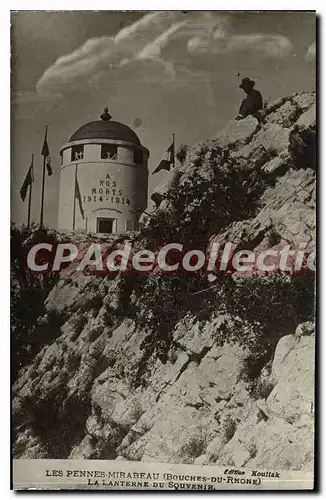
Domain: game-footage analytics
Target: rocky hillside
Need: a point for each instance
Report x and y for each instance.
(171, 369)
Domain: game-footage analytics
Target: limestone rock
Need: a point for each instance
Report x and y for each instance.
(285, 212)
(275, 166)
(293, 367)
(237, 133)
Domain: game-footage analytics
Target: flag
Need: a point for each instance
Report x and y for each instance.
(27, 182)
(78, 197)
(167, 160)
(48, 165)
(46, 153)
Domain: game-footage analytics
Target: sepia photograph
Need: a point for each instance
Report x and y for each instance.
(163, 246)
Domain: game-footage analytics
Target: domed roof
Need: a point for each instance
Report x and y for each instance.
(105, 129)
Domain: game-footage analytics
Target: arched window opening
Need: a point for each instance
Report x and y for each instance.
(109, 152)
(77, 153)
(138, 156)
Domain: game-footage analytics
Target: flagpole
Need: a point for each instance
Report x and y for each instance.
(30, 196)
(74, 212)
(173, 135)
(43, 183)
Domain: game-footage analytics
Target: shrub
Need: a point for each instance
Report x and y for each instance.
(194, 447)
(228, 428)
(182, 153)
(161, 301)
(203, 202)
(27, 296)
(262, 388)
(273, 306)
(302, 147)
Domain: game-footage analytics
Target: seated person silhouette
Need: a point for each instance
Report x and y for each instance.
(253, 103)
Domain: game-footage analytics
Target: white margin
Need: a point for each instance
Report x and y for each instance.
(319, 6)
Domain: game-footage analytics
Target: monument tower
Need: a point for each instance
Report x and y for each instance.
(103, 178)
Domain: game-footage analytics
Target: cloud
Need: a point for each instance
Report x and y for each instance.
(196, 24)
(160, 47)
(144, 71)
(105, 53)
(262, 44)
(153, 50)
(311, 52)
(144, 40)
(77, 66)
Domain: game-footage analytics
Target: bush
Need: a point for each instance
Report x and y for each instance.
(182, 153)
(262, 388)
(193, 448)
(228, 428)
(27, 295)
(206, 199)
(302, 148)
(272, 306)
(160, 302)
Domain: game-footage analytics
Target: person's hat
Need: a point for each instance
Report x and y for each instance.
(246, 82)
